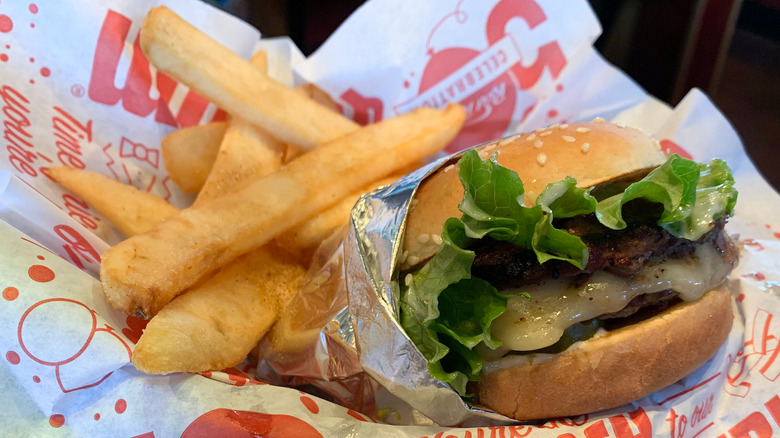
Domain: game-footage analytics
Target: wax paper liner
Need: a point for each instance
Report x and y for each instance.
(77, 97)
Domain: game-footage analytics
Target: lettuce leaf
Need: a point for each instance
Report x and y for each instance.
(446, 312)
(694, 195)
(492, 206)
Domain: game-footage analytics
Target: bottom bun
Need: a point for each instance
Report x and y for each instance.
(607, 371)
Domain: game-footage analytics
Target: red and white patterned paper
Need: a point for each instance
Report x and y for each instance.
(76, 90)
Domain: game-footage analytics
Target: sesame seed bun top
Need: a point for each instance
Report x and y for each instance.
(592, 153)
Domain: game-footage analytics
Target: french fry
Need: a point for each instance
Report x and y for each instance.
(143, 273)
(189, 153)
(185, 53)
(130, 210)
(193, 333)
(216, 325)
(312, 232)
(260, 61)
(245, 152)
(316, 94)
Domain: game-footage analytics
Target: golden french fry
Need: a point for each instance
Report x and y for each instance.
(316, 94)
(246, 152)
(143, 273)
(217, 324)
(260, 61)
(131, 210)
(291, 153)
(189, 153)
(185, 53)
(312, 232)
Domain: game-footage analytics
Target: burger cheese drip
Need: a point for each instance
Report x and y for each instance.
(538, 320)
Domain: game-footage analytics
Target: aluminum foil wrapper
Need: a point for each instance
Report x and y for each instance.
(353, 345)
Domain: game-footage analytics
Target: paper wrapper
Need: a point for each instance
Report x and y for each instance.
(77, 91)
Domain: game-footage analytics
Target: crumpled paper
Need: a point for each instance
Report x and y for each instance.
(82, 95)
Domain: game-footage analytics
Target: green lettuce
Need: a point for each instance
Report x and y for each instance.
(446, 312)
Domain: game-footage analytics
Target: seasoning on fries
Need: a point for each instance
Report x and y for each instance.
(143, 273)
(217, 325)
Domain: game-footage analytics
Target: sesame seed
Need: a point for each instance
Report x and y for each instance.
(492, 146)
(448, 168)
(569, 139)
(413, 260)
(585, 148)
(583, 129)
(555, 126)
(657, 144)
(565, 126)
(541, 158)
(403, 257)
(598, 120)
(530, 137)
(545, 133)
(503, 142)
(538, 144)
(423, 238)
(436, 239)
(621, 125)
(408, 279)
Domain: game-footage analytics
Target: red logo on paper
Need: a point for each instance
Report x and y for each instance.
(227, 422)
(758, 357)
(82, 342)
(365, 110)
(756, 424)
(77, 246)
(126, 162)
(669, 147)
(486, 82)
(135, 328)
(637, 425)
(135, 94)
(22, 154)
(139, 151)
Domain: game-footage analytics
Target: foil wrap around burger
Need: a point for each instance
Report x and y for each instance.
(357, 346)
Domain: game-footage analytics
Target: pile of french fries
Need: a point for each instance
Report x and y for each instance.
(275, 180)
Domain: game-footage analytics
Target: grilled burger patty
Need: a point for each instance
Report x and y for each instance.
(622, 252)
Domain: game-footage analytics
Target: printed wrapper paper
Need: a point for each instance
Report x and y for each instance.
(77, 91)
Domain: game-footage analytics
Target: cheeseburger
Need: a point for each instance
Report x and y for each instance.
(568, 270)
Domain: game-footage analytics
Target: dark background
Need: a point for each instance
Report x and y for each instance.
(728, 48)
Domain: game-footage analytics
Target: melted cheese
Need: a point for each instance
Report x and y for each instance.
(530, 324)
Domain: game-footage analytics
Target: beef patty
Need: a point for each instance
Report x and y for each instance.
(623, 252)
